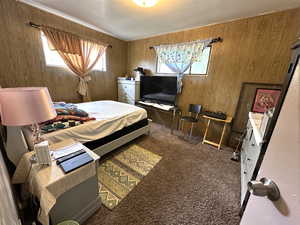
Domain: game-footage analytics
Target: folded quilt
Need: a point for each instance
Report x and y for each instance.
(63, 108)
(65, 118)
(68, 115)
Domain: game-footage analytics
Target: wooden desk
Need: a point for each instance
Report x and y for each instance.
(227, 121)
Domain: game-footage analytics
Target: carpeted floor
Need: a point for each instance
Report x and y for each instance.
(121, 173)
(192, 184)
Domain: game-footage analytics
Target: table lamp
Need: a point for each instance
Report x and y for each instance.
(26, 106)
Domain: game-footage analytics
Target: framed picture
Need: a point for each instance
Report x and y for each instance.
(265, 99)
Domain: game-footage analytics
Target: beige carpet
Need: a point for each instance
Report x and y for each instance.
(119, 174)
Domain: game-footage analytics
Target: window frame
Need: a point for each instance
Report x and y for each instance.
(64, 66)
(190, 68)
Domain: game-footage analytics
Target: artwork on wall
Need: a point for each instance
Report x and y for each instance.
(244, 106)
(265, 99)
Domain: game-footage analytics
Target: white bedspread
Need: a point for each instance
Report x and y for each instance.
(110, 117)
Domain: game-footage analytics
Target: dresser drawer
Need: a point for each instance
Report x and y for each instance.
(249, 155)
(121, 99)
(244, 182)
(127, 87)
(249, 132)
(251, 166)
(253, 149)
(126, 99)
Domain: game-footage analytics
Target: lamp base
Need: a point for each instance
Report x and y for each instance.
(36, 133)
(16, 145)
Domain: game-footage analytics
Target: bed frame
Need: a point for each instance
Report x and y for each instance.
(106, 148)
(17, 144)
(109, 143)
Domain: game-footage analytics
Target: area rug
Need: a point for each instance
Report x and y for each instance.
(119, 174)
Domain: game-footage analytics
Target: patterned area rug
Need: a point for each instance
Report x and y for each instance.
(119, 174)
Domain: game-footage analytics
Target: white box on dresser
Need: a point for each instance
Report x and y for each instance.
(128, 90)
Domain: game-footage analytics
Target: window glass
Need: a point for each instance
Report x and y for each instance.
(52, 58)
(197, 68)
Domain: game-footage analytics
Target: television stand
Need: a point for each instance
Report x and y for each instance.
(163, 108)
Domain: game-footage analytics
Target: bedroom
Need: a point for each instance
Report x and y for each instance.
(191, 182)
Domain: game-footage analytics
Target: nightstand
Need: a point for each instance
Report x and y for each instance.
(62, 196)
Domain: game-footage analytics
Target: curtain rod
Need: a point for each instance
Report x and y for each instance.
(39, 26)
(214, 40)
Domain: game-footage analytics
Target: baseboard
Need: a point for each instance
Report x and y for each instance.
(88, 211)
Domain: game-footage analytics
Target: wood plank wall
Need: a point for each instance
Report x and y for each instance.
(254, 50)
(22, 57)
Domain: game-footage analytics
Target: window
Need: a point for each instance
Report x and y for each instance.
(52, 58)
(197, 68)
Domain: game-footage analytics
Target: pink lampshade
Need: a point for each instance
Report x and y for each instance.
(25, 106)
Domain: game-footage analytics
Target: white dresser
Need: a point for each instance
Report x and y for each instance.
(250, 150)
(128, 91)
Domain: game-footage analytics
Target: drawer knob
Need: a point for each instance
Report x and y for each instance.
(248, 159)
(245, 172)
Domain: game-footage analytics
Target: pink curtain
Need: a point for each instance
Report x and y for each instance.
(79, 55)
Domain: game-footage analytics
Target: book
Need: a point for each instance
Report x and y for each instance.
(76, 162)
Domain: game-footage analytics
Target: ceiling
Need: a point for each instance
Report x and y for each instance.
(125, 20)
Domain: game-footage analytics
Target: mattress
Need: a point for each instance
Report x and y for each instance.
(110, 117)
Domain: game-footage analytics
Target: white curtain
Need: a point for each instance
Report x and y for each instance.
(8, 210)
(179, 57)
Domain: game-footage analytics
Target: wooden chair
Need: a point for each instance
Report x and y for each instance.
(193, 117)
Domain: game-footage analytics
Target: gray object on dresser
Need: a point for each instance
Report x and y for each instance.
(250, 151)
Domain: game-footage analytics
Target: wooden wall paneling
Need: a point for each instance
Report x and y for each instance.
(254, 49)
(22, 57)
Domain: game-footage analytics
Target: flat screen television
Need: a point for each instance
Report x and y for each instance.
(160, 89)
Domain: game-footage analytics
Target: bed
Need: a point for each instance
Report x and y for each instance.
(115, 124)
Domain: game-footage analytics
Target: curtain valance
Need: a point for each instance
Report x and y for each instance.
(63, 35)
(182, 52)
(179, 57)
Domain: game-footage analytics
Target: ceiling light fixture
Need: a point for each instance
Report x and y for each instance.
(146, 3)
